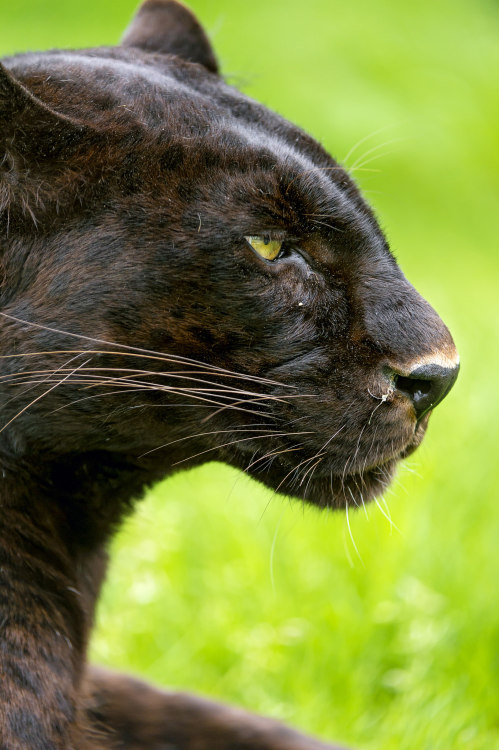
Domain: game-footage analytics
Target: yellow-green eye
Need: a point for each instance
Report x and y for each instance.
(264, 246)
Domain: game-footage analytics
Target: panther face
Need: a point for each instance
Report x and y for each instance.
(189, 277)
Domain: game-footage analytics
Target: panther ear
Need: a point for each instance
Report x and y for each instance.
(35, 143)
(168, 27)
(30, 131)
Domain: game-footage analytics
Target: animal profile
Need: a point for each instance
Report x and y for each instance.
(185, 276)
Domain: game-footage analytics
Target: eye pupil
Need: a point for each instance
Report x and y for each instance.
(266, 239)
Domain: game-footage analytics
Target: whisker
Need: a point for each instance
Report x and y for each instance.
(100, 395)
(361, 497)
(311, 475)
(135, 349)
(363, 140)
(103, 380)
(191, 393)
(387, 515)
(241, 440)
(212, 369)
(351, 495)
(375, 157)
(325, 224)
(27, 390)
(309, 468)
(332, 438)
(294, 470)
(409, 467)
(219, 411)
(377, 147)
(350, 461)
(346, 547)
(271, 453)
(202, 434)
(38, 399)
(351, 536)
(219, 386)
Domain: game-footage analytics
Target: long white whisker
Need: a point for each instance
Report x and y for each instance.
(219, 387)
(39, 397)
(311, 475)
(52, 372)
(294, 470)
(271, 454)
(241, 440)
(360, 162)
(202, 434)
(351, 536)
(388, 516)
(363, 140)
(172, 357)
(190, 393)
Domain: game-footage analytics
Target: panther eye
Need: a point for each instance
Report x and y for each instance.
(264, 246)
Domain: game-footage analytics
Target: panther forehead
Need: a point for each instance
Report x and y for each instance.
(167, 98)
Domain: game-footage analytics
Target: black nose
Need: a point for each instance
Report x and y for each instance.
(426, 386)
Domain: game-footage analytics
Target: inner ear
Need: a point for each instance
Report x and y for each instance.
(168, 27)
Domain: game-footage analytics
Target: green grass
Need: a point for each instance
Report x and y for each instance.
(219, 587)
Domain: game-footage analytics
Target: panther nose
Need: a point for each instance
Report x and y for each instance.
(426, 386)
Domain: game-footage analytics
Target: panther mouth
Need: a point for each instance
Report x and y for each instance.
(330, 490)
(327, 487)
(357, 488)
(335, 491)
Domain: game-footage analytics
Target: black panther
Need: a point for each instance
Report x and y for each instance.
(165, 241)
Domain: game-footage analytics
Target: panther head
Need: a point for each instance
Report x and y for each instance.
(187, 276)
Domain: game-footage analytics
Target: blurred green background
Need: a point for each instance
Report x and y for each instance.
(218, 586)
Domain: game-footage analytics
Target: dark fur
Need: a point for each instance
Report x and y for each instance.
(129, 178)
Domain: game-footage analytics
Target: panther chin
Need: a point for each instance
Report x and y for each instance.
(329, 489)
(334, 491)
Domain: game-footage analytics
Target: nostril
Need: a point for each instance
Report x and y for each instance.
(426, 386)
(415, 388)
